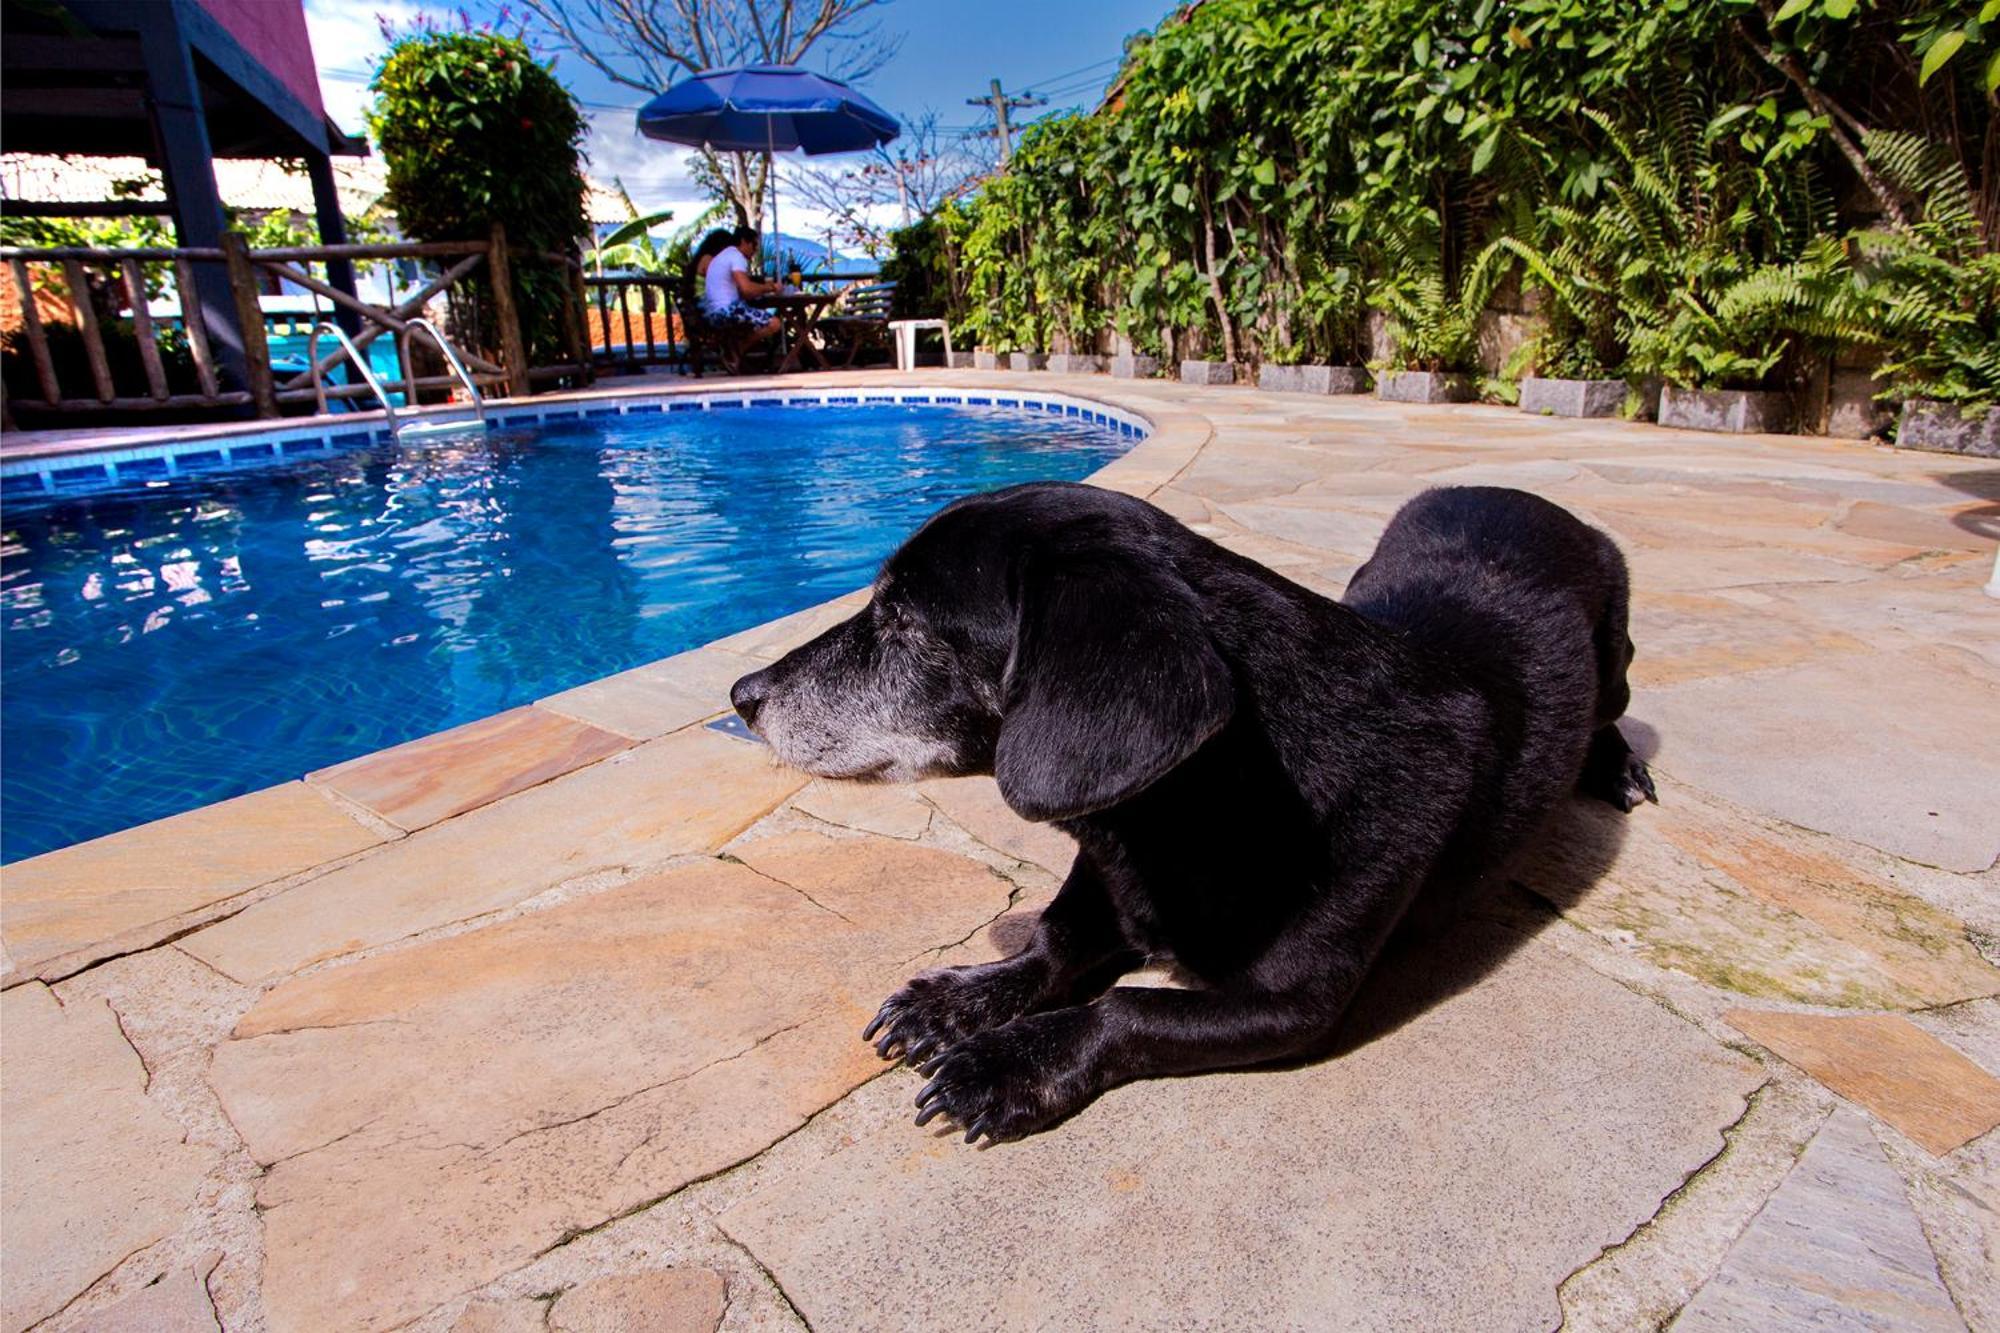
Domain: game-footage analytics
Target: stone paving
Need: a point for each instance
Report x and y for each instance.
(552, 1022)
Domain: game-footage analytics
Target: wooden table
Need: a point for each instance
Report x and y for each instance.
(798, 312)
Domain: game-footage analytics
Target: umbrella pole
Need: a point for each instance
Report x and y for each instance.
(771, 181)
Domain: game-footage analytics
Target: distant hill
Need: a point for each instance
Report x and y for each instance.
(817, 253)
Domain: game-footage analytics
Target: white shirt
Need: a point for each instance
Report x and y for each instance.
(719, 291)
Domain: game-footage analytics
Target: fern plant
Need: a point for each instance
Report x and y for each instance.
(1933, 289)
(1435, 322)
(1723, 269)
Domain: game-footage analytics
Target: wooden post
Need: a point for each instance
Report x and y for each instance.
(142, 329)
(571, 318)
(250, 315)
(86, 323)
(187, 168)
(513, 351)
(197, 329)
(580, 325)
(38, 338)
(333, 231)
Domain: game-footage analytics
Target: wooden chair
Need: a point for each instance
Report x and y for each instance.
(860, 317)
(704, 339)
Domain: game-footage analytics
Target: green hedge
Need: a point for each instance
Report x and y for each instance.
(1718, 192)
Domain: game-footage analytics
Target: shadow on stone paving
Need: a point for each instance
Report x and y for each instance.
(1454, 936)
(1982, 485)
(1985, 520)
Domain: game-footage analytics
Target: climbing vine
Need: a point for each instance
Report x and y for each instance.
(1717, 192)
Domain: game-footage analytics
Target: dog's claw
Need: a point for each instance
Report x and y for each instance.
(1636, 785)
(928, 1114)
(1641, 777)
(875, 1024)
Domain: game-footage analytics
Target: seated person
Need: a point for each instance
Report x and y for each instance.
(711, 245)
(728, 282)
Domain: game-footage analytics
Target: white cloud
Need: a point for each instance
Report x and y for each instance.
(657, 174)
(347, 45)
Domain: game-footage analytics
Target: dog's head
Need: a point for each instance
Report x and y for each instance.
(1042, 634)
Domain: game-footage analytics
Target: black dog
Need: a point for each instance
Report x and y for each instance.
(1259, 780)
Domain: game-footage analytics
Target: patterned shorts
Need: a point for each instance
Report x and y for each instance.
(740, 316)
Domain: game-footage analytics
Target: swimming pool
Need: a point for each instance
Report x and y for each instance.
(179, 634)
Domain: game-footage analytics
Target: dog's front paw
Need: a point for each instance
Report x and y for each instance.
(1014, 1080)
(939, 1009)
(1635, 785)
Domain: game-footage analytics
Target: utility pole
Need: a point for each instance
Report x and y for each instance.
(1001, 104)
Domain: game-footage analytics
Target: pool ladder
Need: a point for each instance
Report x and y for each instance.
(400, 428)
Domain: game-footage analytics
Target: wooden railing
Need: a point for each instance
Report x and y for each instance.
(125, 273)
(658, 338)
(231, 366)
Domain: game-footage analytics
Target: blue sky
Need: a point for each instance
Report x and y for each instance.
(950, 49)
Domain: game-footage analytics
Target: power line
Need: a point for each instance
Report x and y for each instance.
(1043, 85)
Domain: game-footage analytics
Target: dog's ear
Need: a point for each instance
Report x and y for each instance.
(1112, 682)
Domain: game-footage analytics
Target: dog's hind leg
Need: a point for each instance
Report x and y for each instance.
(1611, 638)
(1612, 773)
(1077, 952)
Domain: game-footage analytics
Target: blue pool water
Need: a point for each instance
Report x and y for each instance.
(170, 646)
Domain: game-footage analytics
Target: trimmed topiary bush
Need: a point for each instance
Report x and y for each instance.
(475, 131)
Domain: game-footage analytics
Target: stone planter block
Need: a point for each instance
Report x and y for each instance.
(1133, 366)
(1335, 379)
(984, 360)
(960, 360)
(1208, 372)
(1313, 379)
(1942, 428)
(1070, 363)
(1738, 411)
(1423, 386)
(1573, 398)
(1026, 361)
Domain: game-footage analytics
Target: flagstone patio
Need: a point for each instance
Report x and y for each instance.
(553, 1021)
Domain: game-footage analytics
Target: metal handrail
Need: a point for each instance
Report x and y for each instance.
(457, 366)
(360, 363)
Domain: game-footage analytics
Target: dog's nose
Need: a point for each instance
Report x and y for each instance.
(746, 696)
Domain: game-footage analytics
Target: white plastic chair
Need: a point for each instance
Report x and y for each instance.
(906, 339)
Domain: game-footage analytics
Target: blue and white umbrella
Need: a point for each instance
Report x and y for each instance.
(766, 108)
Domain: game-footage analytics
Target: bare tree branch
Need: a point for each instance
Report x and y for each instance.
(648, 44)
(1836, 116)
(903, 181)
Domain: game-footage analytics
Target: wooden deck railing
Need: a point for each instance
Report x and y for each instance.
(634, 319)
(613, 341)
(99, 282)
